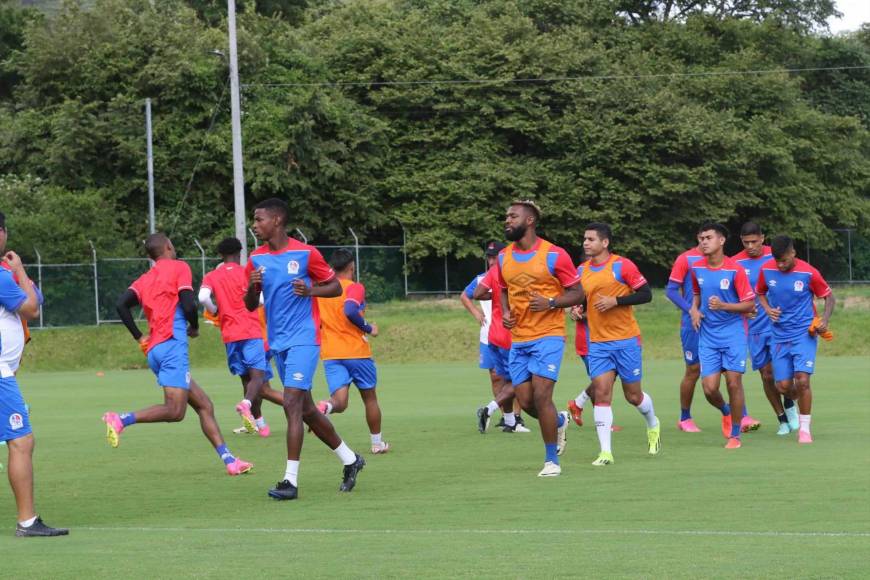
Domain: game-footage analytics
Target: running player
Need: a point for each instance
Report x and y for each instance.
(537, 280)
(345, 352)
(241, 333)
(613, 285)
(166, 295)
(290, 275)
(786, 288)
(751, 258)
(18, 302)
(679, 291)
(722, 297)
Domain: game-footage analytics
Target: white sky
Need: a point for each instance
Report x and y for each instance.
(855, 12)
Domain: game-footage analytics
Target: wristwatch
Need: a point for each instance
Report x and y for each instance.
(551, 302)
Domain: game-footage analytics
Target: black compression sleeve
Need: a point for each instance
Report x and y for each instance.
(127, 301)
(640, 296)
(188, 307)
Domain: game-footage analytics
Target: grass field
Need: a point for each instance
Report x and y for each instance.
(447, 501)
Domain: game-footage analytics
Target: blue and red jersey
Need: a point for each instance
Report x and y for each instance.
(291, 320)
(229, 283)
(752, 266)
(681, 273)
(793, 293)
(157, 291)
(730, 284)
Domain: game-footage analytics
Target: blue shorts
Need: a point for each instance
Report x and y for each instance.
(622, 356)
(14, 419)
(296, 366)
(729, 357)
(246, 354)
(500, 359)
(794, 356)
(342, 372)
(484, 357)
(169, 361)
(689, 339)
(542, 357)
(269, 374)
(759, 350)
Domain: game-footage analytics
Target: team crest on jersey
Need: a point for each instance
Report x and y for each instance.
(724, 284)
(292, 267)
(689, 355)
(16, 421)
(798, 286)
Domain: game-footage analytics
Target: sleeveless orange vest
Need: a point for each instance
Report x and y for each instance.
(523, 279)
(618, 323)
(339, 337)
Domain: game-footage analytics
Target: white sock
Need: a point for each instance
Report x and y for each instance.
(603, 415)
(292, 473)
(804, 421)
(28, 523)
(510, 419)
(492, 407)
(247, 402)
(328, 408)
(646, 409)
(345, 453)
(260, 421)
(581, 398)
(376, 438)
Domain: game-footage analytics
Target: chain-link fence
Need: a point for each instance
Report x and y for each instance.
(847, 263)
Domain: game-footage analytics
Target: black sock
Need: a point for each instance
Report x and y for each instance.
(782, 418)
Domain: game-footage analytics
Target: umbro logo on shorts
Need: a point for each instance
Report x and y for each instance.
(298, 376)
(16, 421)
(187, 378)
(809, 363)
(551, 368)
(635, 372)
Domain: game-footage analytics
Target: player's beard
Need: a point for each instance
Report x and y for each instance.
(515, 233)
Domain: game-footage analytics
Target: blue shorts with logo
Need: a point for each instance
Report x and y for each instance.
(169, 361)
(622, 356)
(689, 339)
(500, 359)
(723, 357)
(246, 354)
(484, 357)
(542, 357)
(296, 366)
(342, 372)
(14, 419)
(794, 356)
(760, 350)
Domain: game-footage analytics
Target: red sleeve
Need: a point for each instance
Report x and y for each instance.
(742, 285)
(206, 281)
(356, 292)
(318, 269)
(680, 269)
(565, 271)
(818, 285)
(500, 278)
(632, 275)
(696, 289)
(137, 288)
(490, 279)
(184, 277)
(761, 285)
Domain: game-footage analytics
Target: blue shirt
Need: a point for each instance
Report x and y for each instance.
(730, 284)
(752, 266)
(469, 290)
(793, 293)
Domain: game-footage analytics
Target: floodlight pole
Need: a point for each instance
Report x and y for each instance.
(150, 151)
(356, 247)
(235, 105)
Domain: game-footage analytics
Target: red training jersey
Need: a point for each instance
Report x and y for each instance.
(229, 283)
(157, 291)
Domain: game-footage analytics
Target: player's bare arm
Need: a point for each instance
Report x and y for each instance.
(255, 286)
(772, 313)
(471, 308)
(571, 297)
(696, 313)
(830, 302)
(508, 319)
(329, 289)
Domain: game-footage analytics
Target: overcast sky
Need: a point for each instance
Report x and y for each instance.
(855, 13)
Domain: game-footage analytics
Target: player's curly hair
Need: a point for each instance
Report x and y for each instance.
(531, 205)
(276, 206)
(229, 247)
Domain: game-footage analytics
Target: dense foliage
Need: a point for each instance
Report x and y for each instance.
(643, 121)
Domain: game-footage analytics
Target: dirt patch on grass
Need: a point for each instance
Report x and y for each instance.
(856, 303)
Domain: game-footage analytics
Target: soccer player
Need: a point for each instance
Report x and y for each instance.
(679, 291)
(751, 258)
(537, 280)
(18, 301)
(241, 333)
(613, 285)
(290, 275)
(786, 287)
(166, 295)
(345, 351)
(722, 297)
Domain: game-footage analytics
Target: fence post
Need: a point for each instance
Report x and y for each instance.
(849, 238)
(304, 238)
(405, 256)
(39, 279)
(253, 237)
(356, 246)
(446, 286)
(96, 283)
(201, 255)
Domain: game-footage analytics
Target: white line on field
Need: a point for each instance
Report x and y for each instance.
(772, 534)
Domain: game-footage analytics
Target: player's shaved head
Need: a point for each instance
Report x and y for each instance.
(155, 245)
(275, 207)
(229, 247)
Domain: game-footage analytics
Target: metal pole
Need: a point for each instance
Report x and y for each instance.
(39, 279)
(96, 282)
(356, 244)
(201, 255)
(151, 223)
(253, 237)
(304, 238)
(446, 287)
(849, 238)
(238, 173)
(405, 257)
